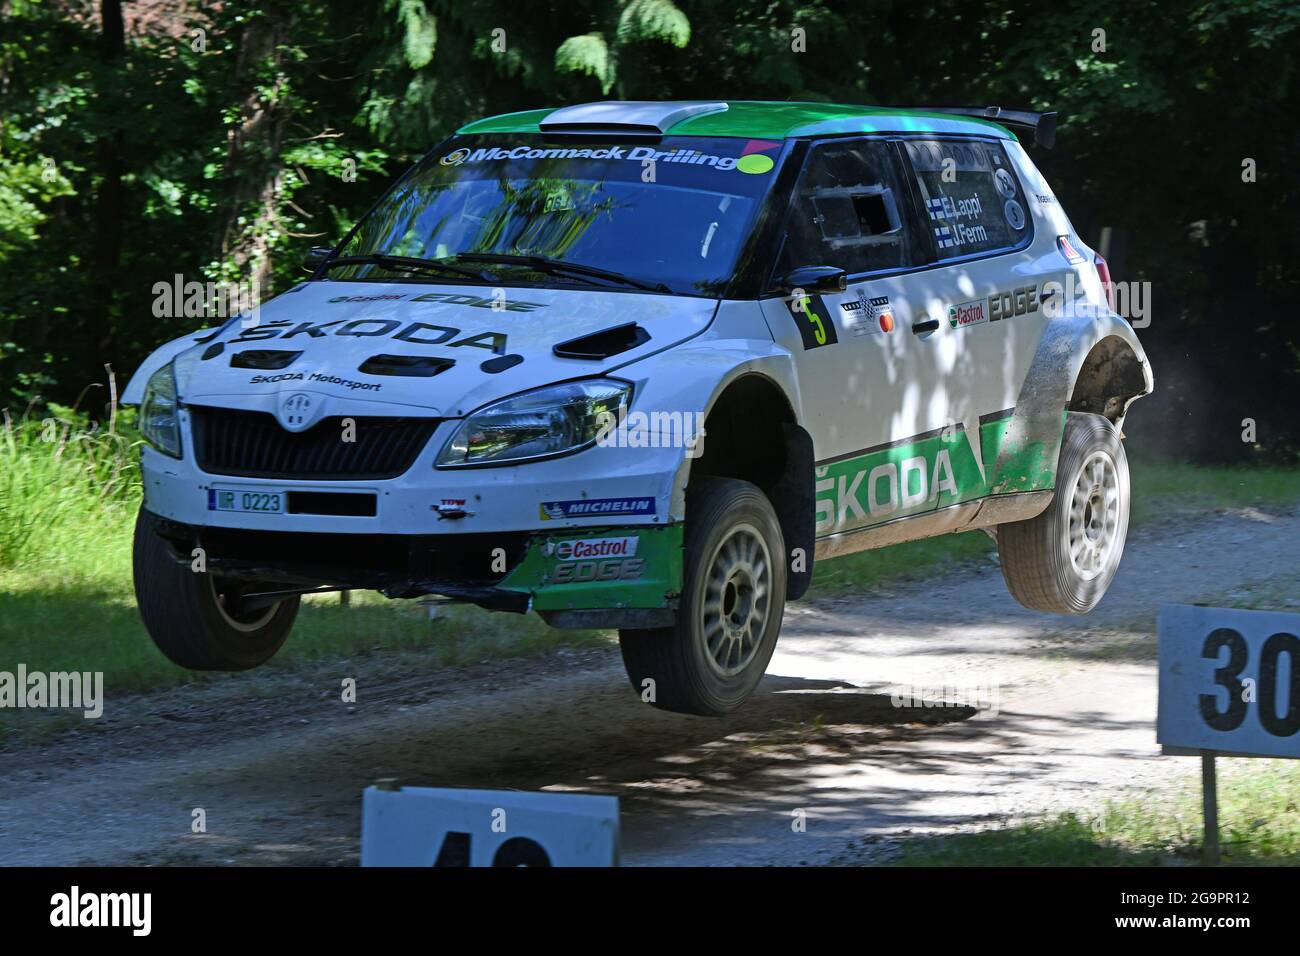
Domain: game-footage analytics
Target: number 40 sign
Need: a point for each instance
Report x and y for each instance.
(1229, 682)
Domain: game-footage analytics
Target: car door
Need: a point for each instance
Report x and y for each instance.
(988, 291)
(865, 357)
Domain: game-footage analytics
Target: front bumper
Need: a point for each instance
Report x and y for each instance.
(634, 582)
(500, 499)
(504, 543)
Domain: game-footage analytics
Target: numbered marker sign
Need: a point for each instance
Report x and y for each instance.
(1229, 681)
(425, 826)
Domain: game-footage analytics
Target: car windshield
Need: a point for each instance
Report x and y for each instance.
(672, 215)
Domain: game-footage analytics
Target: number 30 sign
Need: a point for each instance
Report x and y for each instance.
(1229, 681)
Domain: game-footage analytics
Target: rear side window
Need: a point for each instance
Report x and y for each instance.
(972, 199)
(850, 211)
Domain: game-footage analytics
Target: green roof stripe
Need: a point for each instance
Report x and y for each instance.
(770, 120)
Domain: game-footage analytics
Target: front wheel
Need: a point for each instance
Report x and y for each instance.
(200, 620)
(733, 597)
(1064, 559)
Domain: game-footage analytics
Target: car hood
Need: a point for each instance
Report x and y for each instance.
(354, 345)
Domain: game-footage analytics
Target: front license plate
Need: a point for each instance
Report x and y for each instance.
(260, 502)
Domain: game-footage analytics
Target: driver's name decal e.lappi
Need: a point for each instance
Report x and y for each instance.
(596, 508)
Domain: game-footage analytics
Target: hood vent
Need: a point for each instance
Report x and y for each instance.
(408, 366)
(604, 344)
(500, 363)
(263, 359)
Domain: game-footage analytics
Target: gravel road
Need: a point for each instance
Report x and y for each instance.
(277, 763)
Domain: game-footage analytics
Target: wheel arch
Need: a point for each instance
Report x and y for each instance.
(752, 432)
(1110, 377)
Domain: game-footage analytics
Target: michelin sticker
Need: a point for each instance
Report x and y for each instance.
(596, 508)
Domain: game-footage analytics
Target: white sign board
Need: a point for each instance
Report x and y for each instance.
(425, 826)
(1229, 681)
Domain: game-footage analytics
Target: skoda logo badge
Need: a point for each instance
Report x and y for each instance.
(296, 412)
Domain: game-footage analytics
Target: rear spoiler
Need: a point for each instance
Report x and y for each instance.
(1043, 125)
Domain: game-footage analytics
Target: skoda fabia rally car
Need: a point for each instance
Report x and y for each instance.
(642, 366)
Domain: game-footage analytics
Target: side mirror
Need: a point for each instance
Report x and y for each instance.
(815, 279)
(316, 256)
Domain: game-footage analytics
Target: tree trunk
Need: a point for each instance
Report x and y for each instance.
(253, 172)
(110, 199)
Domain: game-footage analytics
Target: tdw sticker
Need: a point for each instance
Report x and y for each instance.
(1015, 214)
(596, 508)
(967, 313)
(813, 319)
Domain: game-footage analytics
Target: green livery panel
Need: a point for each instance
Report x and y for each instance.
(930, 473)
(598, 568)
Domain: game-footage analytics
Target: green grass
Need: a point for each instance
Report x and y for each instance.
(1162, 490)
(1259, 823)
(68, 501)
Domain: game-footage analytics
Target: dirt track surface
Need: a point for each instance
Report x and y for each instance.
(280, 777)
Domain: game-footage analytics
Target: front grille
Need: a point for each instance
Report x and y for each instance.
(253, 445)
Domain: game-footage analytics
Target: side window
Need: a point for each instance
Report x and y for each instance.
(850, 211)
(971, 196)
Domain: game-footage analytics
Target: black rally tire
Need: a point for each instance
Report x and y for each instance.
(183, 615)
(1053, 562)
(725, 519)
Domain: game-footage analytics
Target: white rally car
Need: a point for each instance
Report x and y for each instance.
(641, 366)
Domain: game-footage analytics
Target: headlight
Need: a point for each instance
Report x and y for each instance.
(158, 417)
(550, 421)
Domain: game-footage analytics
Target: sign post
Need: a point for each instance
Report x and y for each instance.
(1210, 807)
(1229, 684)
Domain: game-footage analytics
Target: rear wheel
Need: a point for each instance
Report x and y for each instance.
(733, 597)
(201, 620)
(1064, 559)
